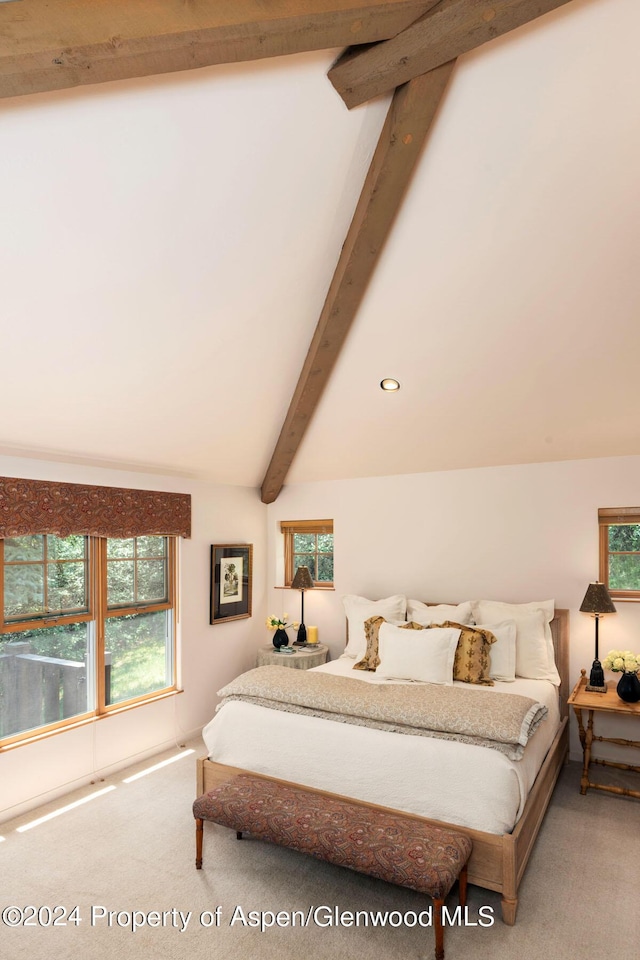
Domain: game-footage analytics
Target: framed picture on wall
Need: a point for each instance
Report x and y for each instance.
(231, 580)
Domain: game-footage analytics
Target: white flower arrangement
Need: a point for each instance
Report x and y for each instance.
(276, 623)
(622, 661)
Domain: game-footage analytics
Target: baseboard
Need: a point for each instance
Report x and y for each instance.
(98, 777)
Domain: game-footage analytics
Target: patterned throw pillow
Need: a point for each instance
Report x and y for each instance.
(472, 662)
(371, 659)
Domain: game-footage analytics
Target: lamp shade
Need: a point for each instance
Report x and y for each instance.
(302, 579)
(597, 600)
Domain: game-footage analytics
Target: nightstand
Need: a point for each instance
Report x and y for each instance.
(609, 702)
(303, 659)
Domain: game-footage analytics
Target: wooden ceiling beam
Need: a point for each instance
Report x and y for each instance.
(452, 28)
(60, 44)
(410, 116)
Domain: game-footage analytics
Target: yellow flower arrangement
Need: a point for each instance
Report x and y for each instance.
(276, 623)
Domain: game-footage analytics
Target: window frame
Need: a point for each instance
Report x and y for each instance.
(608, 517)
(98, 613)
(132, 610)
(15, 625)
(138, 606)
(289, 528)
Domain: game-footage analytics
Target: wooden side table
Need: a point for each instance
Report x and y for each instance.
(584, 701)
(302, 659)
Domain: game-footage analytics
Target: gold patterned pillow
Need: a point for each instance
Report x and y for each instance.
(371, 659)
(472, 662)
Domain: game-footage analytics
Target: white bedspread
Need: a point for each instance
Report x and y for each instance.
(455, 782)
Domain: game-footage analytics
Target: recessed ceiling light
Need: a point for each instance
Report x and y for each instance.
(389, 384)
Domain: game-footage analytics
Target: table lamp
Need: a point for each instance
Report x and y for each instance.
(597, 602)
(302, 581)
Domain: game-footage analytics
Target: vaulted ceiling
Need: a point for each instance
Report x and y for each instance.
(180, 231)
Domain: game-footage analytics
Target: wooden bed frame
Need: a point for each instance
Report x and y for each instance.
(498, 861)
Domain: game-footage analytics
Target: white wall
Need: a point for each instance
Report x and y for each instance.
(209, 655)
(514, 533)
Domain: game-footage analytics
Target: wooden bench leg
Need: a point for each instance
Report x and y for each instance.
(439, 931)
(199, 835)
(462, 887)
(199, 839)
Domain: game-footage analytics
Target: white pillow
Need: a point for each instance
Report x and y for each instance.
(359, 609)
(424, 614)
(534, 643)
(503, 651)
(410, 655)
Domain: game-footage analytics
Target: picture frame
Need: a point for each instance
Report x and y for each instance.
(231, 581)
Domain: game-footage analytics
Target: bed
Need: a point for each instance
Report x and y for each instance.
(498, 802)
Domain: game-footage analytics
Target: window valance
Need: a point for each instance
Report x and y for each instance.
(306, 526)
(618, 515)
(41, 506)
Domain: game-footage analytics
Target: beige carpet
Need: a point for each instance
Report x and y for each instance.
(132, 849)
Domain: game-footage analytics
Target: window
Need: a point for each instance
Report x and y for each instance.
(87, 625)
(308, 543)
(620, 551)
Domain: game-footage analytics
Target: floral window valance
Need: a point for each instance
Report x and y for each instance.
(40, 506)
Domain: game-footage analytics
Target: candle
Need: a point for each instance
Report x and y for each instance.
(312, 634)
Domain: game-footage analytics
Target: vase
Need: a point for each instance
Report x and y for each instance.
(280, 638)
(628, 688)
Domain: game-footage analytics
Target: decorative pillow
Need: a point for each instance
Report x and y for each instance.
(473, 654)
(534, 643)
(371, 659)
(359, 609)
(404, 655)
(426, 615)
(503, 651)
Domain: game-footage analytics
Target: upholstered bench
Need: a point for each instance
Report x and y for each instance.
(387, 846)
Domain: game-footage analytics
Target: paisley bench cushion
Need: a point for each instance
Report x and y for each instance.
(387, 846)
